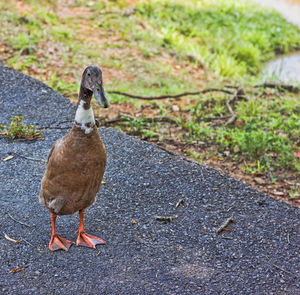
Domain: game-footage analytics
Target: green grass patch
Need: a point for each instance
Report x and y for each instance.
(15, 128)
(267, 131)
(233, 37)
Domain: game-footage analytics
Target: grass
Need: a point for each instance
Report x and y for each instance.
(16, 129)
(169, 47)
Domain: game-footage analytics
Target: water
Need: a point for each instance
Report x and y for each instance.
(286, 68)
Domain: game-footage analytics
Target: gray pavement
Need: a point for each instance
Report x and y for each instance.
(261, 255)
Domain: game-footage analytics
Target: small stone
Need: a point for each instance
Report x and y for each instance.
(175, 108)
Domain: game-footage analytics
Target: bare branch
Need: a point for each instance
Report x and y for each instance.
(122, 117)
(279, 87)
(233, 115)
(176, 96)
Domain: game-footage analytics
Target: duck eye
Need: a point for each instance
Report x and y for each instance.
(88, 74)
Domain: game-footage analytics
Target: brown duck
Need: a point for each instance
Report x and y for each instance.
(76, 165)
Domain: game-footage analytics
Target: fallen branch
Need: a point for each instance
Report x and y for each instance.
(18, 220)
(123, 117)
(279, 87)
(176, 96)
(224, 224)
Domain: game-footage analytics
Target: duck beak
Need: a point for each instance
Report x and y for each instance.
(100, 97)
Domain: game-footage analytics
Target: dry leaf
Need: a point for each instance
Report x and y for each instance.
(16, 270)
(277, 193)
(8, 158)
(259, 180)
(10, 239)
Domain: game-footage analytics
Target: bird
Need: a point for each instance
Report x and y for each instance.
(76, 165)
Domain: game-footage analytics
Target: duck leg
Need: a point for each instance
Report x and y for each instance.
(56, 241)
(85, 239)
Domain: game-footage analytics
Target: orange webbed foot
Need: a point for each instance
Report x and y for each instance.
(57, 243)
(87, 240)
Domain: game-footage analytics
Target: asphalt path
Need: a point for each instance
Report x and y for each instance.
(259, 254)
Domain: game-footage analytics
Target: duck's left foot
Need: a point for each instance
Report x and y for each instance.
(87, 240)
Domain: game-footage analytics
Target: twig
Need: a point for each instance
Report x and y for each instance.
(289, 88)
(32, 159)
(166, 218)
(18, 220)
(176, 96)
(280, 268)
(179, 203)
(227, 238)
(55, 128)
(231, 86)
(27, 242)
(223, 225)
(238, 94)
(11, 239)
(289, 272)
(233, 115)
(216, 118)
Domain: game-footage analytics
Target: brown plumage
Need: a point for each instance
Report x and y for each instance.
(74, 173)
(76, 165)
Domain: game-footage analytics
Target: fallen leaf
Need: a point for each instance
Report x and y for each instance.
(8, 158)
(16, 270)
(276, 193)
(11, 239)
(227, 153)
(103, 182)
(239, 122)
(236, 149)
(214, 158)
(259, 180)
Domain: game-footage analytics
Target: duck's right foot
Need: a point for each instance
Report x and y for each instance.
(57, 243)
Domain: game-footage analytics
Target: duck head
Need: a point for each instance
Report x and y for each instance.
(92, 81)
